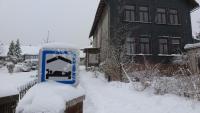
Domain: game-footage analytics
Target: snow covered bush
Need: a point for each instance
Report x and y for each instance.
(10, 67)
(187, 86)
(140, 75)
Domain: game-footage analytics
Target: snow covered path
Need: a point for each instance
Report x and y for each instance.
(116, 97)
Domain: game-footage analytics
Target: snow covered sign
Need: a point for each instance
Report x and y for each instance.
(59, 64)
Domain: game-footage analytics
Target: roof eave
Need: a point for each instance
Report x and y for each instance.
(99, 11)
(194, 5)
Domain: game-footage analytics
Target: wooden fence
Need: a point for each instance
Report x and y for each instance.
(8, 104)
(23, 89)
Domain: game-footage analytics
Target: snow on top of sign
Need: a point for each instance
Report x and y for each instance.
(48, 97)
(58, 45)
(192, 46)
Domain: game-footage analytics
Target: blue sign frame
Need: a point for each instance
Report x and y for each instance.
(43, 70)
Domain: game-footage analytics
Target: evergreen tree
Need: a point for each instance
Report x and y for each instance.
(11, 51)
(18, 50)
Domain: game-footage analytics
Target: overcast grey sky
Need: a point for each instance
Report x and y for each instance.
(67, 20)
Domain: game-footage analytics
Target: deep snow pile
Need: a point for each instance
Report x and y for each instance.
(117, 97)
(9, 83)
(48, 97)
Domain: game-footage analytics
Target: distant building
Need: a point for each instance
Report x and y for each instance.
(156, 29)
(28, 52)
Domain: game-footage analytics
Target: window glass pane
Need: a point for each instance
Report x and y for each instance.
(163, 47)
(146, 18)
(144, 14)
(144, 46)
(163, 19)
(130, 46)
(161, 16)
(175, 19)
(176, 46)
(132, 15)
(127, 15)
(173, 14)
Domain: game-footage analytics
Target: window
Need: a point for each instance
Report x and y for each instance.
(173, 17)
(144, 14)
(163, 46)
(176, 46)
(144, 46)
(161, 16)
(130, 46)
(129, 13)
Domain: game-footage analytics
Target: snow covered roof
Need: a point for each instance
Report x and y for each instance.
(31, 50)
(192, 46)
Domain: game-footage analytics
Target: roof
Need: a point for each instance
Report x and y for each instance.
(28, 50)
(99, 12)
(193, 3)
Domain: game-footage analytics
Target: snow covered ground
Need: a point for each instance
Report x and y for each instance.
(116, 97)
(101, 96)
(9, 83)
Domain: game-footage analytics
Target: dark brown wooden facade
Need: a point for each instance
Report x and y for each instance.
(157, 29)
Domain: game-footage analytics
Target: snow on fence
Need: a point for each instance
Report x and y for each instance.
(8, 104)
(23, 89)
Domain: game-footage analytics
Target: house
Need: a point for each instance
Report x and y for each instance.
(193, 52)
(28, 52)
(155, 29)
